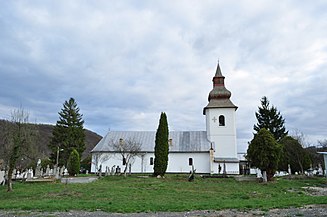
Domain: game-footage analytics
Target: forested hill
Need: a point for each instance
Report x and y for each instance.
(44, 137)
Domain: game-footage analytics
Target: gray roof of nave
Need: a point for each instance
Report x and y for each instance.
(182, 141)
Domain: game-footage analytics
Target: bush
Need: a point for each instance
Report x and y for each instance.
(73, 165)
(86, 164)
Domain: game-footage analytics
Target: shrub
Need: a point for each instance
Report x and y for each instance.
(73, 165)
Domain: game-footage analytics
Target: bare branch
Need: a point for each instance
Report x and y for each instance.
(128, 149)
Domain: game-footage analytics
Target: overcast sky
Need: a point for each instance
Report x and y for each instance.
(126, 61)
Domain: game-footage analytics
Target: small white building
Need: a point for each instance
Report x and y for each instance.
(212, 151)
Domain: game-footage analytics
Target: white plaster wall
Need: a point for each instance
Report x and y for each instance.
(177, 163)
(140, 164)
(223, 137)
(231, 168)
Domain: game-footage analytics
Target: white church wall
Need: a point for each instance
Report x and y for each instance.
(223, 137)
(178, 162)
(231, 168)
(140, 164)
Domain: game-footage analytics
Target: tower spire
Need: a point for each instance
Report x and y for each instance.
(218, 71)
(219, 96)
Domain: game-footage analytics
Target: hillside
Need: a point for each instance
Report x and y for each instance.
(44, 137)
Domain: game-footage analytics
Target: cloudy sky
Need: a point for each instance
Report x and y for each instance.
(126, 61)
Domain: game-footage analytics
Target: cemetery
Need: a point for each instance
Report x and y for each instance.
(113, 193)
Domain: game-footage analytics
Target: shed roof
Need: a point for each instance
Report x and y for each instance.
(181, 141)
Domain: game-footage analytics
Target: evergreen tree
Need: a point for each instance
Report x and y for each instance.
(293, 154)
(161, 147)
(73, 164)
(271, 119)
(264, 152)
(68, 134)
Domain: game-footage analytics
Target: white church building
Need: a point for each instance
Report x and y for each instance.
(212, 151)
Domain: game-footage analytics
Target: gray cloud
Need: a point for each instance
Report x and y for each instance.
(125, 62)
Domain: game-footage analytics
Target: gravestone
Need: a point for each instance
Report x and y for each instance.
(224, 170)
(289, 170)
(2, 177)
(259, 173)
(47, 171)
(14, 172)
(310, 171)
(118, 170)
(100, 170)
(57, 172)
(264, 176)
(28, 175)
(38, 172)
(192, 175)
(320, 170)
(107, 171)
(32, 172)
(61, 171)
(51, 172)
(38, 163)
(66, 172)
(130, 169)
(19, 174)
(113, 170)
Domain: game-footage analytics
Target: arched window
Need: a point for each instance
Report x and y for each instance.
(151, 160)
(190, 161)
(221, 120)
(124, 161)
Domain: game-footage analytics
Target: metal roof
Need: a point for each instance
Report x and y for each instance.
(181, 141)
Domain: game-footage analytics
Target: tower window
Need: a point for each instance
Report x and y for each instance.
(221, 120)
(190, 161)
(124, 161)
(151, 160)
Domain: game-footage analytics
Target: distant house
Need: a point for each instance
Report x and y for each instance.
(212, 151)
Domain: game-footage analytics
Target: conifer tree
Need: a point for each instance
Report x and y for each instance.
(161, 147)
(73, 164)
(268, 117)
(293, 154)
(68, 134)
(264, 152)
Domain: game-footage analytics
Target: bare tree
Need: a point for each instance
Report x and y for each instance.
(98, 159)
(128, 150)
(323, 144)
(300, 137)
(18, 138)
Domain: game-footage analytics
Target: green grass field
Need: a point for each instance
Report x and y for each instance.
(174, 193)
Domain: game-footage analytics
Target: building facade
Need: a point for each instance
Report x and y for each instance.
(213, 151)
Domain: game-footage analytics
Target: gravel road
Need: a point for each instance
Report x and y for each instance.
(307, 211)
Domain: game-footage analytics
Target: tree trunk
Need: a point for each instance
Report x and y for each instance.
(126, 165)
(9, 179)
(270, 174)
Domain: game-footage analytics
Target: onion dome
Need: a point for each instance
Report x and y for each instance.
(219, 96)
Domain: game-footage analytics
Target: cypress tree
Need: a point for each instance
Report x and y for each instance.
(161, 147)
(68, 134)
(73, 164)
(270, 119)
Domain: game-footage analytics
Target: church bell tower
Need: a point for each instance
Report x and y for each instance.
(221, 128)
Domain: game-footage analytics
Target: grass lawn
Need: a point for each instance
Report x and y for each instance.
(174, 193)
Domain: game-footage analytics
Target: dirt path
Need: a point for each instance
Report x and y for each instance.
(308, 211)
